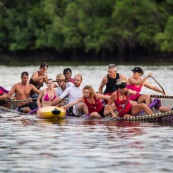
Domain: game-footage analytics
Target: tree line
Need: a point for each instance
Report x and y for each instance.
(119, 29)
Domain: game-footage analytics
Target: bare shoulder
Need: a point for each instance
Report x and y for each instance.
(105, 79)
(34, 74)
(31, 86)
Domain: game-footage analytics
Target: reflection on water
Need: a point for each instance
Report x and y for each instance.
(29, 144)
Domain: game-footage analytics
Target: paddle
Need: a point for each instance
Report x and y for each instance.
(158, 84)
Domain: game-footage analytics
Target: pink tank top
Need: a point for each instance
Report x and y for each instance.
(96, 107)
(120, 105)
(46, 97)
(135, 88)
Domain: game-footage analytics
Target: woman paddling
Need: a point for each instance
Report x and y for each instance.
(122, 102)
(136, 83)
(93, 102)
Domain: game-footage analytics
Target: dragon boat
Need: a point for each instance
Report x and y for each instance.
(157, 116)
(53, 112)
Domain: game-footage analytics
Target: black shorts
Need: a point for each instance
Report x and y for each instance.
(137, 98)
(70, 111)
(102, 112)
(31, 105)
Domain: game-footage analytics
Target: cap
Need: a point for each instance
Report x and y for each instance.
(60, 77)
(138, 69)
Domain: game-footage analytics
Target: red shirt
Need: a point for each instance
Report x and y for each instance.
(96, 107)
(120, 105)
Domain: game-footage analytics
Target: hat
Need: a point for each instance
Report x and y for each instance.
(138, 69)
(60, 77)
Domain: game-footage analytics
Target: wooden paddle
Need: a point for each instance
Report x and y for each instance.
(158, 84)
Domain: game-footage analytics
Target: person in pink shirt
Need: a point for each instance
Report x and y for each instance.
(136, 83)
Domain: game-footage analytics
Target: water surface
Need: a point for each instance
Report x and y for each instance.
(29, 144)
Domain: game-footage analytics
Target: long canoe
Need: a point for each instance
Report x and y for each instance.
(157, 116)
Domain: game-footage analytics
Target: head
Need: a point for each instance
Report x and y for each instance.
(67, 73)
(60, 78)
(43, 67)
(88, 91)
(122, 86)
(50, 83)
(77, 80)
(112, 69)
(138, 70)
(25, 77)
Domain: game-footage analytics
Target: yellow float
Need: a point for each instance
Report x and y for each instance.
(51, 112)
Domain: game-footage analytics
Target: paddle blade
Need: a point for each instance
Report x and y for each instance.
(56, 112)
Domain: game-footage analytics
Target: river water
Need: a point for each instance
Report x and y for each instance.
(29, 144)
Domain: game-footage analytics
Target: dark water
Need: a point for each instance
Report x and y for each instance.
(28, 144)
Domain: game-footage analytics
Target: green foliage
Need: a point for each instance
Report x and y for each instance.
(86, 24)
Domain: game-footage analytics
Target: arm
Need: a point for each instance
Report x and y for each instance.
(36, 78)
(73, 103)
(103, 83)
(150, 86)
(57, 99)
(35, 89)
(110, 101)
(131, 80)
(39, 99)
(3, 97)
(129, 91)
(101, 96)
(13, 89)
(123, 77)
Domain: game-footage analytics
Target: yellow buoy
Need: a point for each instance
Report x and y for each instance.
(51, 112)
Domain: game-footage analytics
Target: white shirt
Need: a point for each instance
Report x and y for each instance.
(73, 93)
(59, 90)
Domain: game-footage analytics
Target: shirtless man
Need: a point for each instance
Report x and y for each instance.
(39, 77)
(74, 92)
(22, 92)
(110, 80)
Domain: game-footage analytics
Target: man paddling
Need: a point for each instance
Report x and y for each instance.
(22, 92)
(74, 92)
